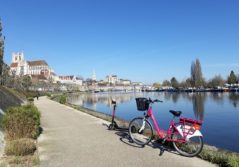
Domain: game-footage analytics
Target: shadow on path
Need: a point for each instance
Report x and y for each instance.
(155, 144)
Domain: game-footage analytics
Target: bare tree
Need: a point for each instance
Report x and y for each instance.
(166, 83)
(196, 74)
(216, 81)
(156, 85)
(26, 82)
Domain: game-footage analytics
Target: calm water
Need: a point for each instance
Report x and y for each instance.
(219, 111)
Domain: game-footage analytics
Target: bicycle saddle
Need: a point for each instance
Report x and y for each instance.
(175, 113)
(113, 102)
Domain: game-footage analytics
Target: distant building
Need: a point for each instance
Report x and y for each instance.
(112, 79)
(125, 82)
(102, 83)
(94, 76)
(20, 66)
(137, 83)
(71, 79)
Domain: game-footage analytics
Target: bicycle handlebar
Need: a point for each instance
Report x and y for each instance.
(153, 101)
(156, 100)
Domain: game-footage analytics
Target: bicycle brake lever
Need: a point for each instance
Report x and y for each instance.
(158, 101)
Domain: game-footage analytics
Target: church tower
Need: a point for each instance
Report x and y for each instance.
(93, 76)
(17, 57)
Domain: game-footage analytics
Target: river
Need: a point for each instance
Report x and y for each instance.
(219, 111)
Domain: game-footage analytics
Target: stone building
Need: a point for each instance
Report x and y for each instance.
(112, 79)
(20, 66)
(71, 79)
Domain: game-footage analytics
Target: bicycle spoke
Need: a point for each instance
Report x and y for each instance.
(140, 131)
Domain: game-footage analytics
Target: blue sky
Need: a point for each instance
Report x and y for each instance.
(146, 41)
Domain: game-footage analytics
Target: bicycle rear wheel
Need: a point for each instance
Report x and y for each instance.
(140, 131)
(190, 148)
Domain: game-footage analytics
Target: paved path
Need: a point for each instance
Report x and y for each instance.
(74, 139)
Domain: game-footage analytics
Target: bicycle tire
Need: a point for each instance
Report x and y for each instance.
(141, 138)
(185, 149)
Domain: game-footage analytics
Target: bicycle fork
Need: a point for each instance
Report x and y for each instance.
(143, 126)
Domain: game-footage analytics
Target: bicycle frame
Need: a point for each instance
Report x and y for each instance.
(185, 131)
(113, 115)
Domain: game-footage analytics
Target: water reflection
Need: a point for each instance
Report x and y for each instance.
(173, 96)
(218, 97)
(103, 98)
(196, 99)
(234, 98)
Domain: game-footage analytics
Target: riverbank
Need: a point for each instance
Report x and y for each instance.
(212, 108)
(86, 141)
(209, 153)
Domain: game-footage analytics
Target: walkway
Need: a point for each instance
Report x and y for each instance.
(74, 139)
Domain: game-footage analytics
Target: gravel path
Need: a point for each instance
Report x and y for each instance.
(74, 139)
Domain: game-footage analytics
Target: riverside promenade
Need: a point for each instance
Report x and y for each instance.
(71, 138)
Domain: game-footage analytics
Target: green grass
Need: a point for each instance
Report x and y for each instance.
(233, 161)
(221, 157)
(36, 161)
(62, 99)
(48, 94)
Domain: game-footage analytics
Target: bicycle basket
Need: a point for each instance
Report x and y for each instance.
(142, 104)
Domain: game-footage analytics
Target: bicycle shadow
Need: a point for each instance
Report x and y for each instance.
(125, 138)
(163, 146)
(155, 144)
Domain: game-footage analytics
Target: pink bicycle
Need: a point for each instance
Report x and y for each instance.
(184, 134)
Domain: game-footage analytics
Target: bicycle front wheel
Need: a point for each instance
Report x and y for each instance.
(190, 148)
(140, 131)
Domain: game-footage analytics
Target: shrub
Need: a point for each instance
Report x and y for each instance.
(48, 94)
(62, 99)
(30, 93)
(20, 147)
(233, 161)
(30, 99)
(223, 158)
(21, 122)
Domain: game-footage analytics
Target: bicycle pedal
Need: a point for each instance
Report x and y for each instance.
(164, 140)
